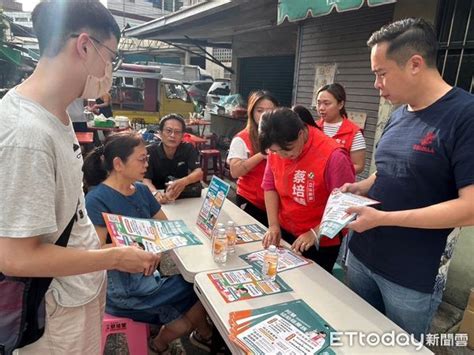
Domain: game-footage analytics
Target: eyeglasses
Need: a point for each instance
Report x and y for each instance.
(144, 159)
(170, 131)
(117, 56)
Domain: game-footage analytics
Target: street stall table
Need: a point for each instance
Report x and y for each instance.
(200, 124)
(332, 300)
(102, 132)
(85, 137)
(198, 258)
(194, 140)
(108, 129)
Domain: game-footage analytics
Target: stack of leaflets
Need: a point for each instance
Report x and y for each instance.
(335, 217)
(286, 259)
(244, 284)
(286, 328)
(149, 234)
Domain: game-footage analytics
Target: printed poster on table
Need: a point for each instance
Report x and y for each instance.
(335, 217)
(150, 234)
(244, 284)
(286, 259)
(286, 328)
(249, 233)
(212, 205)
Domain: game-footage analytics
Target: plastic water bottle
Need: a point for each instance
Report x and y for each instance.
(270, 263)
(170, 182)
(214, 234)
(231, 237)
(219, 246)
(216, 229)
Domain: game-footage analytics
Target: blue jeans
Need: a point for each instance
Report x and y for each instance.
(412, 310)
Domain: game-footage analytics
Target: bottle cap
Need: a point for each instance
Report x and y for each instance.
(272, 248)
(230, 223)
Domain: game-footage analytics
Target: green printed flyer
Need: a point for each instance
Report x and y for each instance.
(286, 259)
(249, 233)
(286, 328)
(149, 234)
(212, 205)
(244, 284)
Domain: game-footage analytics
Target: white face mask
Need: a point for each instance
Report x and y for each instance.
(96, 87)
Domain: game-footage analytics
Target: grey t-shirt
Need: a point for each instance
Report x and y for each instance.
(41, 179)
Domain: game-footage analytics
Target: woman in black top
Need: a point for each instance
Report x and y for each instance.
(103, 105)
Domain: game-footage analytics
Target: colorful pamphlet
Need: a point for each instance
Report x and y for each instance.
(286, 328)
(244, 284)
(286, 259)
(249, 233)
(335, 217)
(150, 234)
(212, 205)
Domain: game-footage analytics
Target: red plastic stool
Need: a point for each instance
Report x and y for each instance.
(207, 154)
(135, 332)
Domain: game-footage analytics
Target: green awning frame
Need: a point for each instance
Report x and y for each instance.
(10, 54)
(297, 10)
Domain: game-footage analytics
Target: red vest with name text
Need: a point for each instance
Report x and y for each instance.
(346, 133)
(249, 186)
(301, 187)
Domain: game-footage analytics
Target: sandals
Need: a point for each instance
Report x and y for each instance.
(199, 342)
(152, 347)
(169, 350)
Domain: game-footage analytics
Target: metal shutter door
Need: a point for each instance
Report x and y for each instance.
(341, 38)
(274, 74)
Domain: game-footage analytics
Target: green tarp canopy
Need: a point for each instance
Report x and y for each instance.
(296, 10)
(10, 54)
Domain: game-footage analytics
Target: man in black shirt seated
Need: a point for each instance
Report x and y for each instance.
(173, 164)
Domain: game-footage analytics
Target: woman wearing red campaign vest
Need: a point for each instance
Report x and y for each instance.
(303, 167)
(245, 160)
(333, 121)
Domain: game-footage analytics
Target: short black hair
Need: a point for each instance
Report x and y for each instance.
(406, 38)
(172, 116)
(281, 127)
(54, 22)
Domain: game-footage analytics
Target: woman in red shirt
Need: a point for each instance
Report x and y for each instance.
(331, 100)
(303, 167)
(245, 160)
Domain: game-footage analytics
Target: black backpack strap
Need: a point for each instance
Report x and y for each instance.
(64, 237)
(37, 289)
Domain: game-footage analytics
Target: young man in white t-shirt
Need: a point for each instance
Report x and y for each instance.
(41, 177)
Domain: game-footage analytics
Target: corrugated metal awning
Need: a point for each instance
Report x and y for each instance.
(297, 10)
(169, 27)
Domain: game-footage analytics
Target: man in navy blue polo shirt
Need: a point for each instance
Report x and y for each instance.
(401, 250)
